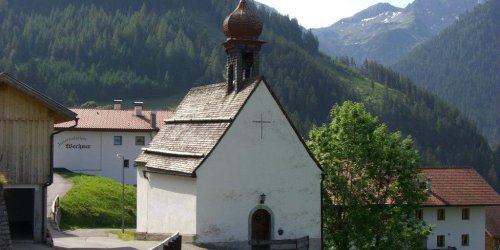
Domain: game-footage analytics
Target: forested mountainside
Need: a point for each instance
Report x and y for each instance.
(82, 50)
(462, 66)
(384, 33)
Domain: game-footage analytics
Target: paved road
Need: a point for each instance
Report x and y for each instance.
(60, 187)
(99, 239)
(96, 239)
(84, 238)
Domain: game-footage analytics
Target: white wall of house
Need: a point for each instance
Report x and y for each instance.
(243, 166)
(167, 204)
(94, 152)
(453, 227)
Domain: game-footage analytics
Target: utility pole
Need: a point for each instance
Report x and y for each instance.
(123, 191)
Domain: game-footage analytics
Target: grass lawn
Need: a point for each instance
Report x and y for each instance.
(95, 202)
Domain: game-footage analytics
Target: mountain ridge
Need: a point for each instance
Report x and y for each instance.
(82, 50)
(390, 32)
(467, 52)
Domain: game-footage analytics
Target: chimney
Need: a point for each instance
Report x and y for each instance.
(138, 108)
(117, 104)
(429, 185)
(153, 120)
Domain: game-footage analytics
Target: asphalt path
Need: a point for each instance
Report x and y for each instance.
(85, 238)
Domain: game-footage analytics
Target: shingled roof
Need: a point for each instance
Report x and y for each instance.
(199, 122)
(115, 120)
(459, 187)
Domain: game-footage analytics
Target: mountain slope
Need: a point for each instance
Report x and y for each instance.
(462, 65)
(384, 33)
(82, 50)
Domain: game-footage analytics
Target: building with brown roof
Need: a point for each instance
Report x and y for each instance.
(27, 120)
(492, 228)
(229, 167)
(92, 146)
(459, 198)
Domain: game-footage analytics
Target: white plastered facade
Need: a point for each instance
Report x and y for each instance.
(453, 227)
(165, 203)
(230, 181)
(94, 153)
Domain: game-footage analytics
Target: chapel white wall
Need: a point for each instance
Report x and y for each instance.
(243, 166)
(166, 204)
(97, 156)
(142, 201)
(453, 227)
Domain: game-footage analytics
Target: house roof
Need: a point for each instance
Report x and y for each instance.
(493, 221)
(197, 126)
(62, 113)
(115, 120)
(199, 122)
(459, 187)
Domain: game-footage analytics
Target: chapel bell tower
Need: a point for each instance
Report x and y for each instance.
(242, 29)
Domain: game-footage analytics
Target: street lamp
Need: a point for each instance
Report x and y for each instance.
(120, 156)
(262, 198)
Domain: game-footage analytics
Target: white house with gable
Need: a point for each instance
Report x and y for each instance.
(456, 207)
(229, 167)
(91, 147)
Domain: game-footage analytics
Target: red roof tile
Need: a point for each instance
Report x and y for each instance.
(459, 187)
(112, 119)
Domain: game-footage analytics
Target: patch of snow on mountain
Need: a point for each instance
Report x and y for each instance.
(394, 14)
(368, 19)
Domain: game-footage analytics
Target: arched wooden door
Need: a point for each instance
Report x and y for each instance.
(261, 226)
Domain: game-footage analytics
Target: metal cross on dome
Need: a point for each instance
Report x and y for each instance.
(262, 122)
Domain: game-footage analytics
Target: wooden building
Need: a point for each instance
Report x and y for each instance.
(27, 120)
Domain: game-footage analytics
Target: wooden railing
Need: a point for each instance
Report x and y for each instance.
(55, 212)
(294, 244)
(173, 242)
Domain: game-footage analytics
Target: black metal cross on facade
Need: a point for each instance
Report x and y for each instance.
(261, 124)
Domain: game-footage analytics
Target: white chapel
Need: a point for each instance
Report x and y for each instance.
(228, 166)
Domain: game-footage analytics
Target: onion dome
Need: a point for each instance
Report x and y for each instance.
(242, 23)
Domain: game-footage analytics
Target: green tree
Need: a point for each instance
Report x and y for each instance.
(372, 186)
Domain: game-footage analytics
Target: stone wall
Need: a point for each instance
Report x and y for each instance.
(5, 242)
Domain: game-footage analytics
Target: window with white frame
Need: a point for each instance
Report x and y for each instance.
(117, 140)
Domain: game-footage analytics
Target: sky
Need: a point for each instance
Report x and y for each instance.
(323, 13)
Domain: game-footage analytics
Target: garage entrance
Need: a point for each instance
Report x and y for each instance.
(20, 208)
